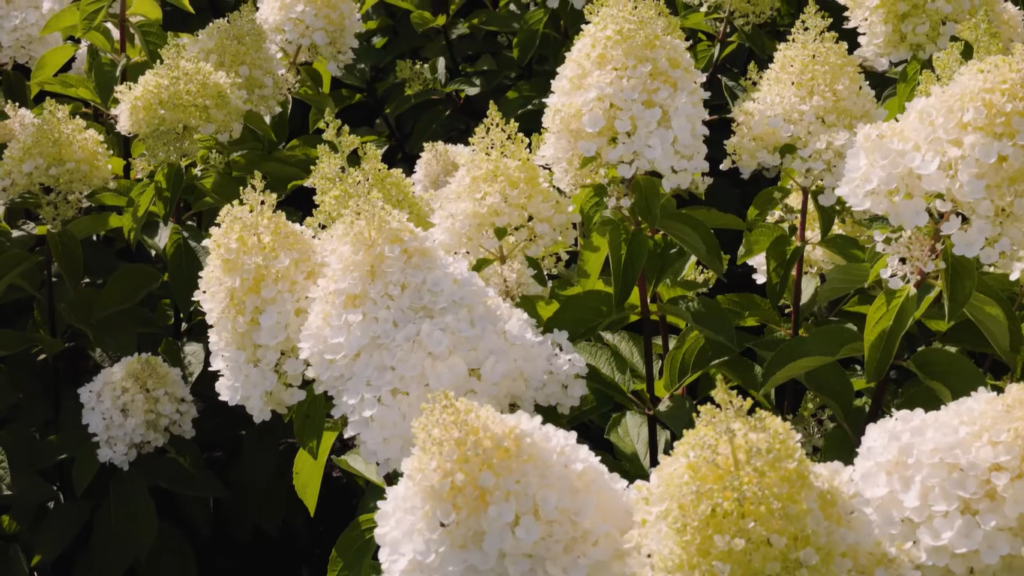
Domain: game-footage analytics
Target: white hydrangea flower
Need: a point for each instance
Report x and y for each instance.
(739, 497)
(436, 166)
(910, 255)
(958, 151)
(238, 46)
(485, 493)
(627, 100)
(812, 97)
(395, 319)
(255, 291)
(54, 156)
(743, 12)
(20, 26)
(981, 33)
(497, 184)
(176, 102)
(304, 30)
(946, 488)
(894, 30)
(134, 406)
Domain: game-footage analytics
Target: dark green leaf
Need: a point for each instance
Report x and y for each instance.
(647, 196)
(632, 266)
(67, 253)
(627, 431)
(183, 267)
(695, 236)
(758, 240)
(125, 288)
(950, 375)
(60, 527)
(800, 355)
(309, 421)
(581, 314)
(842, 279)
(353, 552)
(422, 20)
(151, 38)
(959, 278)
(676, 412)
(171, 555)
(888, 319)
(832, 384)
(705, 315)
(93, 224)
(715, 219)
(132, 512)
(528, 36)
(353, 462)
(990, 316)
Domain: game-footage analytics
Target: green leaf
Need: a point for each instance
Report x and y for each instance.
(307, 472)
(846, 247)
(608, 372)
(632, 266)
(147, 9)
(181, 469)
(581, 314)
(714, 218)
(64, 19)
(949, 374)
(12, 561)
(183, 267)
(832, 384)
(906, 86)
(6, 484)
(990, 316)
(187, 356)
(528, 37)
(183, 4)
(71, 86)
(758, 240)
(647, 195)
(353, 462)
(309, 421)
(706, 315)
(888, 319)
(12, 342)
(842, 279)
(676, 412)
(592, 255)
(67, 253)
(12, 265)
(59, 529)
(959, 279)
(766, 201)
(423, 20)
(627, 431)
(753, 308)
(352, 554)
(151, 38)
(93, 224)
(802, 354)
(171, 555)
(132, 512)
(51, 62)
(125, 288)
(91, 14)
(694, 236)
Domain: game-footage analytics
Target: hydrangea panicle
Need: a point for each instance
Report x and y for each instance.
(436, 166)
(486, 493)
(619, 108)
(255, 291)
(20, 26)
(761, 507)
(946, 488)
(134, 406)
(53, 156)
(305, 30)
(743, 12)
(813, 96)
(497, 185)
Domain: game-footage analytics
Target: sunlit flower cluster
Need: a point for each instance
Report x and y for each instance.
(176, 102)
(894, 30)
(416, 76)
(506, 495)
(738, 497)
(958, 151)
(20, 26)
(909, 255)
(55, 157)
(742, 12)
(811, 98)
(436, 167)
(498, 186)
(305, 30)
(238, 46)
(395, 319)
(134, 406)
(627, 100)
(983, 36)
(946, 488)
(255, 292)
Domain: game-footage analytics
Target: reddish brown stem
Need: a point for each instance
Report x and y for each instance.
(645, 319)
(791, 393)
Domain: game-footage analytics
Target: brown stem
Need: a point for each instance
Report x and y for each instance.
(122, 33)
(645, 319)
(718, 45)
(791, 391)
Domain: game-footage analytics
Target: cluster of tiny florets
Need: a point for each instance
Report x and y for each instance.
(20, 25)
(436, 166)
(894, 30)
(946, 488)
(134, 406)
(255, 292)
(983, 36)
(238, 46)
(53, 156)
(395, 319)
(305, 30)
(500, 495)
(175, 103)
(498, 186)
(738, 497)
(957, 153)
(416, 76)
(627, 100)
(812, 97)
(742, 12)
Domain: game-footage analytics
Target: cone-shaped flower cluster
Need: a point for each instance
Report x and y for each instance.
(627, 100)
(436, 166)
(958, 151)
(134, 406)
(812, 97)
(304, 30)
(20, 26)
(498, 186)
(894, 30)
(505, 495)
(738, 497)
(54, 156)
(946, 488)
(255, 292)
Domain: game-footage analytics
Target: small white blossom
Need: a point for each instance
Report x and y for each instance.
(20, 25)
(304, 30)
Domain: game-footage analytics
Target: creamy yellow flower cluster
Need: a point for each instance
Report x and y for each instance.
(738, 497)
(497, 184)
(54, 157)
(983, 36)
